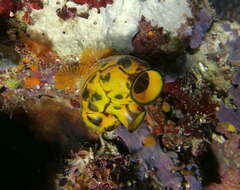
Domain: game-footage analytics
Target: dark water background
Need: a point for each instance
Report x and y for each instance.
(26, 163)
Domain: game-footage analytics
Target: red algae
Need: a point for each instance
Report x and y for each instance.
(28, 7)
(189, 109)
(6, 6)
(94, 3)
(33, 4)
(192, 103)
(149, 38)
(84, 15)
(27, 18)
(67, 13)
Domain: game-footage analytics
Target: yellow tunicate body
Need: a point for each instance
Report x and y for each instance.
(107, 100)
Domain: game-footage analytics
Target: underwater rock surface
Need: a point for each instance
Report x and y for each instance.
(127, 26)
(8, 57)
(189, 138)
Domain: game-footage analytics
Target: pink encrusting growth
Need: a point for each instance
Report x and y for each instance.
(94, 3)
(32, 4)
(28, 6)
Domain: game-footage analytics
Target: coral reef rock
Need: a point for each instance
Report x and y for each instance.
(126, 26)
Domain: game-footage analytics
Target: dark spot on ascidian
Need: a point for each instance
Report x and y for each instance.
(117, 107)
(92, 107)
(96, 97)
(85, 94)
(118, 96)
(110, 128)
(106, 77)
(125, 62)
(96, 121)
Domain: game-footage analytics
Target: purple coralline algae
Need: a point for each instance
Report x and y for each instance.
(203, 23)
(234, 46)
(192, 179)
(153, 162)
(227, 9)
(231, 114)
(126, 138)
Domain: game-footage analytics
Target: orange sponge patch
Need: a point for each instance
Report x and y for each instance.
(31, 82)
(149, 141)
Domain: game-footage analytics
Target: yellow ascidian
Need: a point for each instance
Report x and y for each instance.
(115, 90)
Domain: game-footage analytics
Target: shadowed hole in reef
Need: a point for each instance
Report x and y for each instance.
(122, 148)
(172, 64)
(209, 167)
(26, 162)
